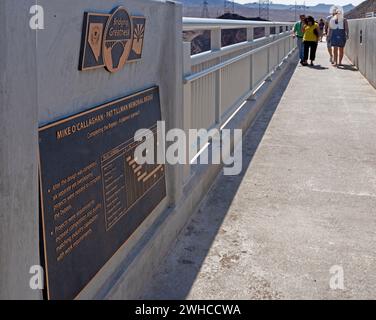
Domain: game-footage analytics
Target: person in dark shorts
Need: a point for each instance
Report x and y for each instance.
(338, 33)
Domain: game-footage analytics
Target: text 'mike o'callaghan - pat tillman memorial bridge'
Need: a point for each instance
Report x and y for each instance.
(131, 168)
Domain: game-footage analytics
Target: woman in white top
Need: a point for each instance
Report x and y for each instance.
(338, 34)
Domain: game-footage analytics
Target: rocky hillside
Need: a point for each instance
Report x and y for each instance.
(321, 7)
(361, 10)
(277, 12)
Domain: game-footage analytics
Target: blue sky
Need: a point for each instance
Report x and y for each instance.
(308, 2)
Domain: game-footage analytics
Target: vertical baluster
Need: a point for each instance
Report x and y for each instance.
(250, 38)
(267, 35)
(216, 44)
(187, 65)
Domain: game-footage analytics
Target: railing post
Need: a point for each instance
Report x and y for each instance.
(250, 34)
(278, 27)
(250, 38)
(267, 31)
(187, 107)
(216, 39)
(291, 42)
(267, 35)
(216, 44)
(286, 50)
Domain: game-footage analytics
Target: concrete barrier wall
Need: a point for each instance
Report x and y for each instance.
(19, 224)
(361, 47)
(40, 83)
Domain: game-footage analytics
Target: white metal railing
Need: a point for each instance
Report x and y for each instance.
(190, 24)
(218, 81)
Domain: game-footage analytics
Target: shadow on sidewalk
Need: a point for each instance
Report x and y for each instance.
(184, 262)
(318, 67)
(348, 67)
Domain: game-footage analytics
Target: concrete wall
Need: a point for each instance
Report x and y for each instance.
(19, 238)
(62, 90)
(362, 52)
(40, 83)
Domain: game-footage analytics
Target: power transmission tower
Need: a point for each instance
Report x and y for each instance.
(297, 7)
(264, 9)
(205, 9)
(229, 6)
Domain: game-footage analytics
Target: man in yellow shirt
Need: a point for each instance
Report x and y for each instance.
(311, 32)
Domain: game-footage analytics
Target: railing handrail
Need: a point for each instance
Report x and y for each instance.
(218, 81)
(206, 56)
(191, 24)
(365, 18)
(212, 69)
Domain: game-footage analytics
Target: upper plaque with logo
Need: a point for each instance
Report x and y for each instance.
(111, 40)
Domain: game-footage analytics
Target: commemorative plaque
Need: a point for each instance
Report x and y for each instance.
(111, 40)
(94, 194)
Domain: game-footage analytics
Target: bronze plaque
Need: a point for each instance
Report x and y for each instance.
(138, 38)
(95, 39)
(118, 39)
(111, 40)
(94, 194)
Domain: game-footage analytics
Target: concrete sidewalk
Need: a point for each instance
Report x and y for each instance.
(305, 201)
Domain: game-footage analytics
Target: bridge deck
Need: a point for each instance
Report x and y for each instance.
(306, 201)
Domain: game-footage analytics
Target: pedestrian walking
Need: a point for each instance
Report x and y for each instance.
(332, 11)
(321, 26)
(338, 33)
(311, 35)
(298, 34)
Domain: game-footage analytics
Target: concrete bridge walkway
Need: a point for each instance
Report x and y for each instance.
(305, 201)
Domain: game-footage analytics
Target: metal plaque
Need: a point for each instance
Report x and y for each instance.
(111, 40)
(94, 194)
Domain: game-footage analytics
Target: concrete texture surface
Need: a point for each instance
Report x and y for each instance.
(19, 220)
(40, 83)
(305, 201)
(361, 47)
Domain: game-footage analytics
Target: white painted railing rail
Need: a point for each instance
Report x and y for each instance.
(218, 81)
(190, 24)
